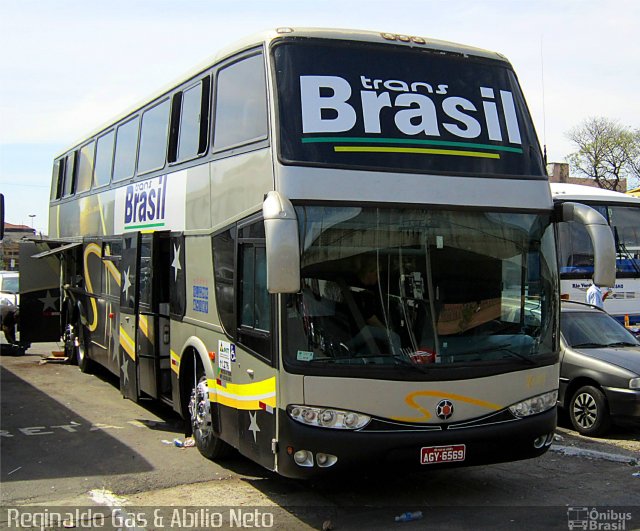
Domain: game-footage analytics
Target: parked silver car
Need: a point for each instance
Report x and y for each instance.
(599, 370)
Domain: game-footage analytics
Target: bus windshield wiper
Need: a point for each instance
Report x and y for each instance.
(589, 345)
(504, 347)
(407, 363)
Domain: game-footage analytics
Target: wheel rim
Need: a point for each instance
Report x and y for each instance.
(79, 343)
(200, 410)
(585, 410)
(72, 342)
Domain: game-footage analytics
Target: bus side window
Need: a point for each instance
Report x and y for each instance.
(241, 104)
(190, 122)
(57, 179)
(69, 174)
(126, 146)
(85, 167)
(224, 245)
(153, 138)
(254, 301)
(104, 159)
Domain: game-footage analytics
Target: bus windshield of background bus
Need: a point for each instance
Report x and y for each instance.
(400, 288)
(392, 108)
(576, 251)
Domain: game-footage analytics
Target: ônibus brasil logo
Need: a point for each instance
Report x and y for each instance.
(145, 204)
(329, 106)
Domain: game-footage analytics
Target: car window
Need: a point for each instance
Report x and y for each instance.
(9, 284)
(593, 329)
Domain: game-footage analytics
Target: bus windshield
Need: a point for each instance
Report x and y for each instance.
(576, 251)
(410, 110)
(421, 289)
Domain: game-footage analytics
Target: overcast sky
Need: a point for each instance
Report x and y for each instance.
(68, 66)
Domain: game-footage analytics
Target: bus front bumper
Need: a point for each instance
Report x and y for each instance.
(331, 451)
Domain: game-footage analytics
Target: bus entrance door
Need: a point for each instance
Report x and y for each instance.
(129, 303)
(152, 334)
(144, 319)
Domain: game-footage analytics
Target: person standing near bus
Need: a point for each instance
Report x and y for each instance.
(596, 297)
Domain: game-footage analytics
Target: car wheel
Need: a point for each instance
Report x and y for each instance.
(207, 442)
(589, 412)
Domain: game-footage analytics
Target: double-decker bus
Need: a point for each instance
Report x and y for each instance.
(326, 249)
(622, 212)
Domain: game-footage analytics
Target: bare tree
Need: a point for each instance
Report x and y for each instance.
(607, 151)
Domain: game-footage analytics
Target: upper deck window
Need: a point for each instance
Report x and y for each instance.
(241, 104)
(57, 179)
(69, 174)
(126, 145)
(153, 138)
(85, 167)
(194, 120)
(391, 108)
(104, 159)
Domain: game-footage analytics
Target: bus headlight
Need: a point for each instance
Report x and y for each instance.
(535, 405)
(328, 418)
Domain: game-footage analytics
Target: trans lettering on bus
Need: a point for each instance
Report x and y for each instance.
(143, 205)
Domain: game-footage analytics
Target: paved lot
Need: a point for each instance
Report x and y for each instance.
(69, 439)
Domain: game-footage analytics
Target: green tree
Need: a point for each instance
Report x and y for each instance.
(607, 151)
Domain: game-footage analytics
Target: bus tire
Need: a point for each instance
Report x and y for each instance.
(81, 353)
(589, 411)
(207, 442)
(70, 349)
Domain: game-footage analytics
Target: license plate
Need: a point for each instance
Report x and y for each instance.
(430, 455)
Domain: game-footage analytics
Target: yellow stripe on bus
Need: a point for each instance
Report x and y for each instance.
(143, 323)
(175, 362)
(127, 344)
(426, 415)
(244, 396)
(92, 248)
(420, 151)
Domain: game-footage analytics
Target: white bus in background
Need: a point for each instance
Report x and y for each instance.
(216, 244)
(622, 212)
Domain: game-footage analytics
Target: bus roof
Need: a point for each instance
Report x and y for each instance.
(579, 192)
(266, 37)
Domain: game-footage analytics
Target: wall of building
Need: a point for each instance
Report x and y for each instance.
(559, 173)
(9, 245)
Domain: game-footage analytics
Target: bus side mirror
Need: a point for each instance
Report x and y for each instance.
(282, 244)
(604, 248)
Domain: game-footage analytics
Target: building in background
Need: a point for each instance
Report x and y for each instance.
(559, 173)
(9, 245)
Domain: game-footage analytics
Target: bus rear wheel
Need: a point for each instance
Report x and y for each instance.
(70, 344)
(207, 442)
(80, 350)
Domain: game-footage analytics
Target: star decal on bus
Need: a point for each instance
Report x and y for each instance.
(49, 302)
(127, 283)
(176, 261)
(125, 370)
(253, 426)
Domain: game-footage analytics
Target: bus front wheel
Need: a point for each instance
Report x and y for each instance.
(207, 442)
